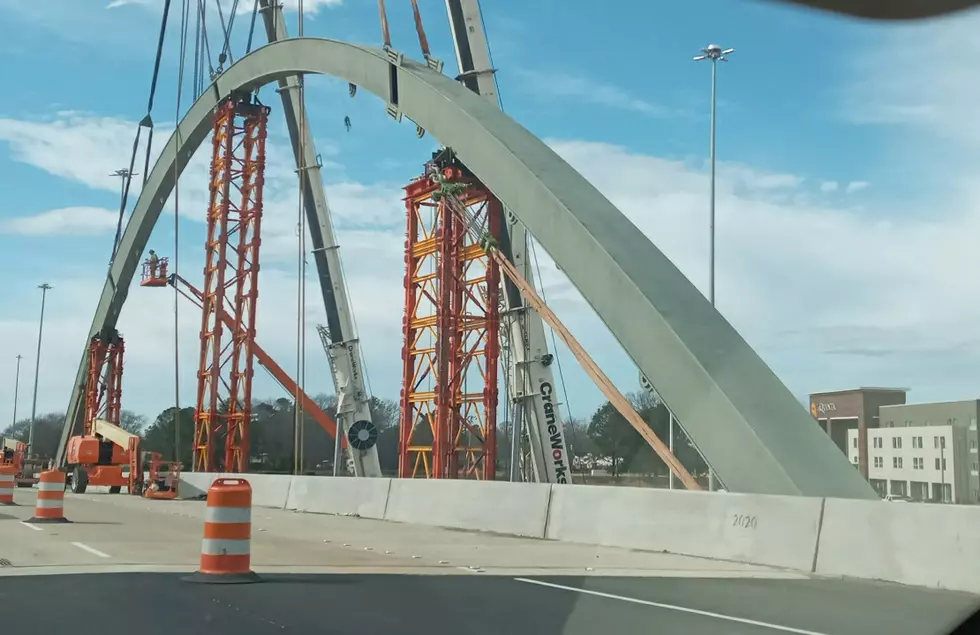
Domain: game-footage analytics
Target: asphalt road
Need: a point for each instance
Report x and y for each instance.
(165, 604)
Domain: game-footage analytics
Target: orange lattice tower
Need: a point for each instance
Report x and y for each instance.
(231, 269)
(451, 348)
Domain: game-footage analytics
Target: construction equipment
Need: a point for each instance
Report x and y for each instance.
(265, 360)
(109, 456)
(15, 453)
(163, 480)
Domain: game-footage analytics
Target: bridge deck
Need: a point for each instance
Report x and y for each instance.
(406, 575)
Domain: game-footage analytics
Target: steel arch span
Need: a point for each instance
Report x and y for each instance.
(754, 432)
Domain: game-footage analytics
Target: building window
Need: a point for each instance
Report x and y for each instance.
(916, 442)
(939, 442)
(976, 466)
(897, 462)
(897, 443)
(855, 443)
(943, 462)
(973, 444)
(877, 442)
(918, 463)
(973, 423)
(879, 462)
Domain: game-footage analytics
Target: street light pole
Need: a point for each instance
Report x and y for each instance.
(714, 53)
(17, 386)
(37, 367)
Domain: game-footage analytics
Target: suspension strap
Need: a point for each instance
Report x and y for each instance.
(423, 41)
(385, 33)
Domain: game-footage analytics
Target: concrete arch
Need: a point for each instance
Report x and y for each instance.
(714, 382)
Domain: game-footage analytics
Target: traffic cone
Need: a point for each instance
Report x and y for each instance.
(50, 507)
(226, 548)
(8, 475)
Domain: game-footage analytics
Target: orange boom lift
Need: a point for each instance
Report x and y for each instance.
(105, 454)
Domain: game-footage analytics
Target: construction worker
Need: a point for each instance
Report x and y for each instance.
(154, 262)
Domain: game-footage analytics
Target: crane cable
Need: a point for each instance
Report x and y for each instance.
(251, 28)
(299, 419)
(204, 46)
(184, 28)
(146, 122)
(226, 47)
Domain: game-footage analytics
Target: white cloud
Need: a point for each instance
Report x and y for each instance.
(921, 75)
(829, 186)
(88, 149)
(856, 186)
(88, 221)
(552, 84)
(829, 297)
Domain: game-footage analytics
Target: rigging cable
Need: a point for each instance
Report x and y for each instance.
(148, 120)
(206, 47)
(226, 47)
(251, 28)
(145, 122)
(184, 28)
(554, 341)
(298, 436)
(197, 55)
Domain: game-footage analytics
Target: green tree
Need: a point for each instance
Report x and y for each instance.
(132, 422)
(616, 438)
(162, 435)
(47, 433)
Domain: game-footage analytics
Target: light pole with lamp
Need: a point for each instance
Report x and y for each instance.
(17, 386)
(714, 53)
(37, 367)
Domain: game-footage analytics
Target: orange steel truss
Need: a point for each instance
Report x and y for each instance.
(224, 393)
(103, 392)
(451, 349)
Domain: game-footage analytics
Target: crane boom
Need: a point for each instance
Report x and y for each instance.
(530, 380)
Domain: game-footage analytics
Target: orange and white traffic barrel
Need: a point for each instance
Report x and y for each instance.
(226, 549)
(50, 507)
(8, 476)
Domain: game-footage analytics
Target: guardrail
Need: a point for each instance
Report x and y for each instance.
(925, 545)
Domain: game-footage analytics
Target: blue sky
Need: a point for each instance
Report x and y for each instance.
(846, 203)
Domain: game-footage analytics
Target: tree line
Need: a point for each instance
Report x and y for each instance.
(607, 440)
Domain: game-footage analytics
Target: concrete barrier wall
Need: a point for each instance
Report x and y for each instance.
(911, 543)
(364, 497)
(919, 544)
(268, 490)
(512, 508)
(777, 531)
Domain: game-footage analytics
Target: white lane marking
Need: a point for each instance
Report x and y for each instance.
(27, 524)
(95, 552)
(674, 607)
